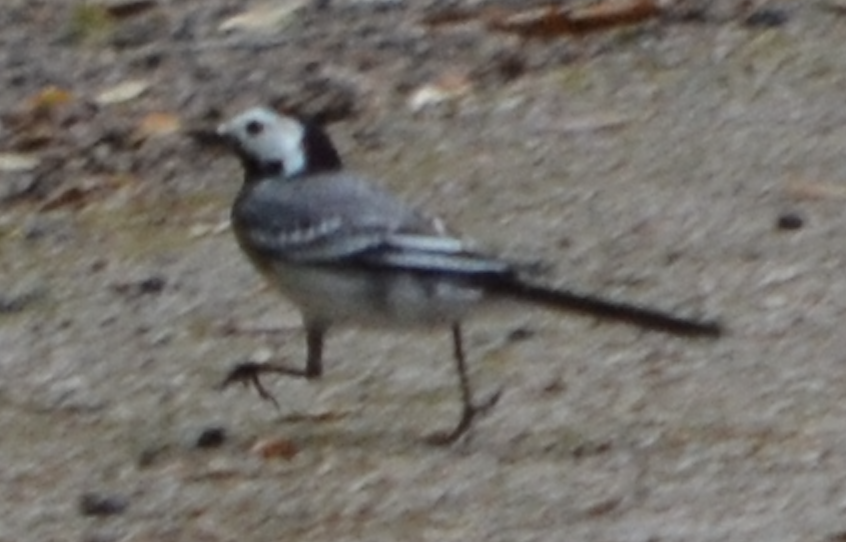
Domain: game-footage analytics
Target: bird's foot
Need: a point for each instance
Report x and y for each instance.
(468, 414)
(249, 373)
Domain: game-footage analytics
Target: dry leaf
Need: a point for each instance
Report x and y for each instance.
(74, 196)
(90, 23)
(34, 124)
(539, 22)
(273, 448)
(11, 161)
(264, 17)
(814, 190)
(49, 98)
(123, 92)
(452, 16)
(122, 9)
(36, 134)
(600, 121)
(448, 87)
(156, 125)
(80, 195)
(553, 20)
(612, 13)
(206, 229)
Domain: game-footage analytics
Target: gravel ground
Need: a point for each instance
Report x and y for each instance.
(690, 163)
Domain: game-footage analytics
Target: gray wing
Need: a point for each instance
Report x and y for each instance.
(341, 220)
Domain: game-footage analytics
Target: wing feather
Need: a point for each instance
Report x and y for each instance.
(358, 225)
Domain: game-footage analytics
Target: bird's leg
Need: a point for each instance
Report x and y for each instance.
(315, 334)
(468, 408)
(249, 372)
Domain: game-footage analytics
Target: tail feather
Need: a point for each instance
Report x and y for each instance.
(622, 312)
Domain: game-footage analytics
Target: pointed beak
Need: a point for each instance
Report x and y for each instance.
(227, 137)
(207, 136)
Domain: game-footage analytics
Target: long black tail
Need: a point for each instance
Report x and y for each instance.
(594, 306)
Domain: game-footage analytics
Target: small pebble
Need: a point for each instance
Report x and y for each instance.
(14, 303)
(520, 334)
(789, 221)
(586, 449)
(100, 537)
(211, 437)
(149, 286)
(100, 504)
(766, 18)
(152, 285)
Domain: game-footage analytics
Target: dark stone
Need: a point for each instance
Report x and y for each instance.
(520, 334)
(152, 285)
(766, 18)
(101, 504)
(789, 221)
(211, 437)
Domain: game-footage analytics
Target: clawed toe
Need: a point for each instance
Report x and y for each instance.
(445, 438)
(248, 373)
(242, 373)
(489, 402)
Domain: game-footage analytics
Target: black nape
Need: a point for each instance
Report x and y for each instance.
(256, 171)
(320, 153)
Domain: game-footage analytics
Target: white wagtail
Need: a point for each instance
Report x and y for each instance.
(347, 252)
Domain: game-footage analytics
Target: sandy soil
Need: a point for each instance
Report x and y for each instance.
(693, 166)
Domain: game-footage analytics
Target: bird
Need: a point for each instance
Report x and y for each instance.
(346, 251)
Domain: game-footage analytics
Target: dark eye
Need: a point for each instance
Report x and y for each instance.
(254, 128)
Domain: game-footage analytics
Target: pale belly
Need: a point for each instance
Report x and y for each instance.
(384, 299)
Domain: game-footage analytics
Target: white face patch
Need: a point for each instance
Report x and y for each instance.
(267, 137)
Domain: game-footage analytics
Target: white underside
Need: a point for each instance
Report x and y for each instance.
(394, 299)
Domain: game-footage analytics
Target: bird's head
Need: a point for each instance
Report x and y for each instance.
(270, 144)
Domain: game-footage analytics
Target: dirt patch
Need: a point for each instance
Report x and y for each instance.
(654, 163)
